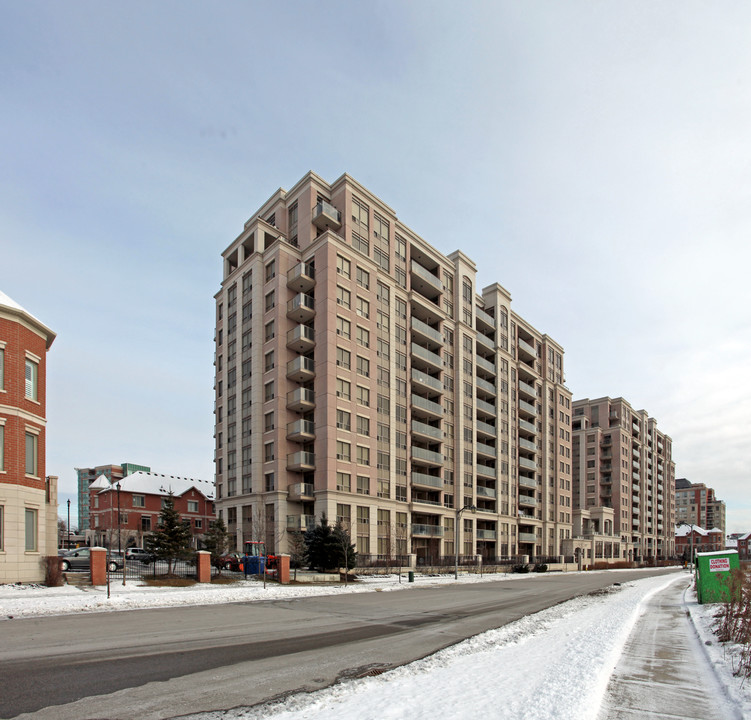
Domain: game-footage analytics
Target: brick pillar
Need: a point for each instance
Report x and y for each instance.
(282, 573)
(203, 566)
(98, 566)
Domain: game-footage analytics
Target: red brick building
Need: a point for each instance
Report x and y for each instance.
(141, 497)
(703, 540)
(28, 498)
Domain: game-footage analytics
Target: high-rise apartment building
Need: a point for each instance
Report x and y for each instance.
(361, 374)
(86, 476)
(622, 461)
(28, 497)
(697, 504)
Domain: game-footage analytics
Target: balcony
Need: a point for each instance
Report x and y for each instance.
(301, 369)
(425, 282)
(428, 407)
(300, 522)
(484, 428)
(486, 471)
(301, 431)
(427, 457)
(299, 492)
(421, 428)
(527, 501)
(301, 400)
(301, 278)
(485, 407)
(421, 378)
(486, 450)
(484, 317)
(486, 365)
(428, 356)
(526, 349)
(426, 332)
(483, 534)
(301, 461)
(528, 408)
(528, 426)
(301, 308)
(427, 530)
(527, 464)
(326, 216)
(527, 482)
(527, 389)
(527, 445)
(486, 342)
(485, 492)
(424, 480)
(301, 339)
(525, 537)
(485, 386)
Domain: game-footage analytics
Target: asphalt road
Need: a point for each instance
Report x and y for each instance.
(174, 661)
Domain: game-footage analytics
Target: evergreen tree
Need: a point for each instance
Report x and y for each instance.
(171, 539)
(216, 540)
(329, 547)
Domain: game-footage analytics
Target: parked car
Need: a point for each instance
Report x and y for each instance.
(136, 553)
(230, 561)
(80, 559)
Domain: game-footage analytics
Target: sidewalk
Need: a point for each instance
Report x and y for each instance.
(664, 671)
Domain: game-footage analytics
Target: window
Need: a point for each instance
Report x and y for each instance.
(363, 485)
(384, 376)
(383, 293)
(343, 420)
(268, 362)
(363, 366)
(247, 282)
(268, 452)
(363, 278)
(383, 321)
(31, 454)
(363, 426)
(198, 523)
(380, 227)
(343, 358)
(383, 349)
(360, 214)
(343, 482)
(401, 334)
(382, 258)
(270, 301)
(32, 372)
(363, 396)
(400, 274)
(343, 389)
(401, 308)
(2, 368)
(383, 461)
(400, 248)
(271, 270)
(363, 308)
(363, 455)
(193, 506)
(269, 331)
(360, 243)
(146, 523)
(269, 481)
(363, 336)
(268, 421)
(31, 530)
(343, 327)
(268, 391)
(139, 501)
(343, 451)
(343, 297)
(2, 449)
(343, 266)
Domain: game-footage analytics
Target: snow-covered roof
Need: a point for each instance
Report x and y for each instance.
(101, 483)
(685, 530)
(8, 303)
(731, 542)
(715, 530)
(152, 483)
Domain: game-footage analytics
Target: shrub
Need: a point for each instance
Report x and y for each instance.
(521, 568)
(541, 567)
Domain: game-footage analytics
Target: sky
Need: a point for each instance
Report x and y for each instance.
(591, 158)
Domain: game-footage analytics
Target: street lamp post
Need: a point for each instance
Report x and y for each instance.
(68, 523)
(459, 512)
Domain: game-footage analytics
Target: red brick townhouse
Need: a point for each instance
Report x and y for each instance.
(703, 540)
(141, 497)
(28, 498)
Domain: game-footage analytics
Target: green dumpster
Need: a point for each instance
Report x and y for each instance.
(411, 576)
(713, 571)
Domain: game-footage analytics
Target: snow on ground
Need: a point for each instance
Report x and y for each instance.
(553, 664)
(723, 657)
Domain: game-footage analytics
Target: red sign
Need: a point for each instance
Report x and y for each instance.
(719, 564)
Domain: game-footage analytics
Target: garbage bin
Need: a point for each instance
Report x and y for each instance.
(411, 576)
(713, 572)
